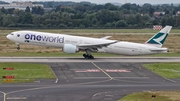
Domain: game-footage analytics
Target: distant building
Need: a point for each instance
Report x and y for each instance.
(157, 27)
(20, 5)
(152, 18)
(178, 13)
(158, 14)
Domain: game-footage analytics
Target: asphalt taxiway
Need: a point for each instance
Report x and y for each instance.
(88, 80)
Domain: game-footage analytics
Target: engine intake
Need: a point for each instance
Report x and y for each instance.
(69, 48)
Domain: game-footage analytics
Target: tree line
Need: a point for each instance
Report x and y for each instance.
(88, 15)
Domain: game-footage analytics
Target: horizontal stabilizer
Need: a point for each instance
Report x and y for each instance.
(159, 50)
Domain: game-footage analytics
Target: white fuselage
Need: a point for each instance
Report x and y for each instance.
(129, 48)
(58, 40)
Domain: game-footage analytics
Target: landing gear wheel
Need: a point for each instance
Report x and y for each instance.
(88, 56)
(85, 56)
(18, 48)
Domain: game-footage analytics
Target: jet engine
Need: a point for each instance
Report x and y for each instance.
(69, 48)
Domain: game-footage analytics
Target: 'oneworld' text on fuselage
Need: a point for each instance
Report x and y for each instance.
(56, 39)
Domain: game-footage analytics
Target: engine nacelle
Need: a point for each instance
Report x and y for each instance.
(69, 48)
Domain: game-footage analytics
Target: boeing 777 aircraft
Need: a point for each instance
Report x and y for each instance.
(73, 44)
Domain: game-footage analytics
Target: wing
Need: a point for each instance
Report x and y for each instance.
(106, 37)
(94, 47)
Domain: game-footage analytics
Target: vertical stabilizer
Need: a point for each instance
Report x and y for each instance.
(158, 39)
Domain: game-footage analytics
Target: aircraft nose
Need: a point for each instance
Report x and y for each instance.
(8, 36)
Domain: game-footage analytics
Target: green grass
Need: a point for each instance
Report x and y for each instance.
(147, 96)
(100, 31)
(104, 30)
(26, 72)
(167, 70)
(74, 31)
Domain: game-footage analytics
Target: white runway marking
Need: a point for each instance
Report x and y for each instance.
(4, 95)
(55, 76)
(102, 71)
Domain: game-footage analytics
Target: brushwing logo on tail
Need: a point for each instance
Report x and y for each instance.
(159, 38)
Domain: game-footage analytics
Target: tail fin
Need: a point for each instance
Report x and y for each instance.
(158, 39)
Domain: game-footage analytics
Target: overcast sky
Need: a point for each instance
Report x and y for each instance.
(119, 1)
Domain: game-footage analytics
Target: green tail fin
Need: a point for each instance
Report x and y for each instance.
(159, 38)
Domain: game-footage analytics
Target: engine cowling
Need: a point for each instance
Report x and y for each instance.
(69, 48)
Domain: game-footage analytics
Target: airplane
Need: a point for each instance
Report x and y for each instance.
(73, 44)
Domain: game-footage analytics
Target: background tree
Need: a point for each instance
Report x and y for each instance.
(27, 9)
(88, 15)
(38, 10)
(121, 23)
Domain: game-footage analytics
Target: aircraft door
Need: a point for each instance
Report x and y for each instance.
(21, 36)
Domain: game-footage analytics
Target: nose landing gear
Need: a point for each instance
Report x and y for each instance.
(18, 46)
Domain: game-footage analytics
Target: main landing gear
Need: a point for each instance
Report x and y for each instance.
(88, 55)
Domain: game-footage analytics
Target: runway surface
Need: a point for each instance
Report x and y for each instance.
(88, 80)
(105, 59)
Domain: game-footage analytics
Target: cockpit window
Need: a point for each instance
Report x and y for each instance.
(11, 34)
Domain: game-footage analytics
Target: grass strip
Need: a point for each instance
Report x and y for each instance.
(153, 96)
(94, 31)
(167, 70)
(25, 72)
